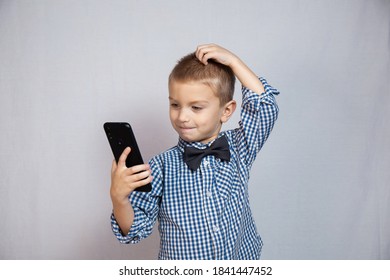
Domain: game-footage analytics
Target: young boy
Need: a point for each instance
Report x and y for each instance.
(200, 187)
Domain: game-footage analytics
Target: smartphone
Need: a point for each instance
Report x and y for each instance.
(120, 135)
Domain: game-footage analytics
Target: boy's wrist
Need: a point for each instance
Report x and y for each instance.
(119, 202)
(246, 76)
(235, 64)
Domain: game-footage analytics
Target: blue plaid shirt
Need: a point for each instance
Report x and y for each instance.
(205, 214)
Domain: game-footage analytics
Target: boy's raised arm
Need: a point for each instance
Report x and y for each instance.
(245, 75)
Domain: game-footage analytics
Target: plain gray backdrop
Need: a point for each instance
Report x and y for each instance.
(320, 186)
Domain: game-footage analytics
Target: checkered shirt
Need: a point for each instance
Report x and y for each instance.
(205, 214)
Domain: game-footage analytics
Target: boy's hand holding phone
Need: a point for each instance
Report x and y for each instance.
(124, 180)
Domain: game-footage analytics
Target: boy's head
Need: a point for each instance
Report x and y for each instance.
(218, 77)
(201, 98)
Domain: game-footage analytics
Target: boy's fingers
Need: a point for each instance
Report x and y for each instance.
(137, 168)
(201, 52)
(142, 175)
(143, 182)
(123, 157)
(206, 52)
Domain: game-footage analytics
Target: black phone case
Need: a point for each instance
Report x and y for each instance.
(120, 135)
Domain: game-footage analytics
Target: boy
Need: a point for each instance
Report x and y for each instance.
(200, 187)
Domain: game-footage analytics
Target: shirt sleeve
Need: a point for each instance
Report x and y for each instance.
(146, 206)
(258, 116)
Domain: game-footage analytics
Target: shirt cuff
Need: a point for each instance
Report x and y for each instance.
(254, 100)
(135, 233)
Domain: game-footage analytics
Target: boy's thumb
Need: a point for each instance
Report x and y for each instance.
(114, 166)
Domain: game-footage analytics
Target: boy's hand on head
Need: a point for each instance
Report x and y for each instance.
(245, 75)
(215, 52)
(125, 180)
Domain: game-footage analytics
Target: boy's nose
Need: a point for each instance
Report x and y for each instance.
(183, 116)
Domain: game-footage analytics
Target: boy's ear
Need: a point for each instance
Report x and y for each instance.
(228, 110)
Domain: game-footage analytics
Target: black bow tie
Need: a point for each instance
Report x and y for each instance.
(193, 156)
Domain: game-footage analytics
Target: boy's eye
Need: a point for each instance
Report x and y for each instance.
(174, 105)
(196, 108)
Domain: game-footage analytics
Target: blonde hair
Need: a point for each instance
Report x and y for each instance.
(220, 78)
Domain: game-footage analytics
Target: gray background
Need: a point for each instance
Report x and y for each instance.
(320, 186)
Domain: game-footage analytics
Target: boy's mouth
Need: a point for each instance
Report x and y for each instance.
(185, 128)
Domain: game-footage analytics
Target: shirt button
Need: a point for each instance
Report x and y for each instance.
(215, 228)
(209, 194)
(206, 163)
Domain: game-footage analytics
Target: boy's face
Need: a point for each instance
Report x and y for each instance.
(195, 111)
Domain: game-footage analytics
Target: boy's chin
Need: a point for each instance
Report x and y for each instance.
(188, 139)
(193, 139)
